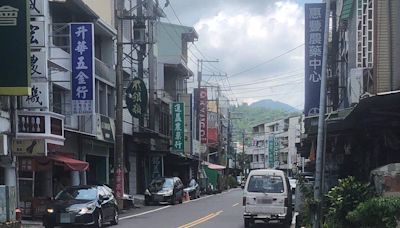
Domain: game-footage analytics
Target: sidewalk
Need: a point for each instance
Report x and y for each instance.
(137, 199)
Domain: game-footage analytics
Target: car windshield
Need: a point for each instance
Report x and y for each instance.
(77, 194)
(266, 184)
(162, 183)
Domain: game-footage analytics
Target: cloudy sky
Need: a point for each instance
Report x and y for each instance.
(259, 44)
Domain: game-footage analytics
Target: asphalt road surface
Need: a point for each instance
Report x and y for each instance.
(214, 211)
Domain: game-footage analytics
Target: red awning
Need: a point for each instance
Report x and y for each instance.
(214, 166)
(70, 163)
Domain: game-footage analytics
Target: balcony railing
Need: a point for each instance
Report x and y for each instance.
(104, 71)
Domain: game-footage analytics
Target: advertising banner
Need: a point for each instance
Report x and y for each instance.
(178, 124)
(271, 152)
(203, 114)
(82, 57)
(314, 43)
(15, 49)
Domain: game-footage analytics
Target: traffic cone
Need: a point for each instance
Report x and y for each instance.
(186, 196)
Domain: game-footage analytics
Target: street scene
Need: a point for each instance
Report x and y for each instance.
(199, 113)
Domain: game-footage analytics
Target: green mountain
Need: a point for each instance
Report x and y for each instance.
(246, 116)
(271, 104)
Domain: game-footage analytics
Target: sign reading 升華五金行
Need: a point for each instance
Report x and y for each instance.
(15, 48)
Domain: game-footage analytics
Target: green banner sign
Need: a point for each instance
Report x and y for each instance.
(136, 98)
(15, 36)
(271, 151)
(178, 126)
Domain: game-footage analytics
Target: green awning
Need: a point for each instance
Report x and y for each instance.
(347, 9)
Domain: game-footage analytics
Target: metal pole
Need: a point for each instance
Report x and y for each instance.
(151, 65)
(119, 143)
(321, 124)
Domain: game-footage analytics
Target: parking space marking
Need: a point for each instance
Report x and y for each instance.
(143, 213)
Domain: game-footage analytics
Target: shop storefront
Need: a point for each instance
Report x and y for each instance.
(40, 178)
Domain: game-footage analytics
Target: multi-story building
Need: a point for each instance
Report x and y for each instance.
(274, 144)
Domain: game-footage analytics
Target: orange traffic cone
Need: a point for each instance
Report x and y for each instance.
(186, 196)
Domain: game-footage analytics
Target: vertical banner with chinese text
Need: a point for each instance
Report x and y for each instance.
(178, 124)
(314, 43)
(203, 102)
(271, 152)
(82, 64)
(15, 49)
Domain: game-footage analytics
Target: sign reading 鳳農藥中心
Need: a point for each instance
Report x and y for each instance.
(314, 48)
(136, 97)
(178, 124)
(15, 48)
(82, 65)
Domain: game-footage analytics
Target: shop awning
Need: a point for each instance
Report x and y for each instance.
(214, 166)
(69, 163)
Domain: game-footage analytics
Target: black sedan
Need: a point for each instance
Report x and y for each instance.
(82, 205)
(164, 189)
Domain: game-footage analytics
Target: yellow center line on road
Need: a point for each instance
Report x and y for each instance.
(234, 205)
(201, 220)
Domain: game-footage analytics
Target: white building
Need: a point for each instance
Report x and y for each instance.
(274, 144)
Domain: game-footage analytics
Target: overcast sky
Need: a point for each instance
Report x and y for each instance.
(244, 35)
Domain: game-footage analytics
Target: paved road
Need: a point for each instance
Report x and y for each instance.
(215, 211)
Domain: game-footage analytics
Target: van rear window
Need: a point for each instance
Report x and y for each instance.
(266, 184)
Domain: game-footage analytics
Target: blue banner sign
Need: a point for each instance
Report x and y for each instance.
(82, 57)
(314, 43)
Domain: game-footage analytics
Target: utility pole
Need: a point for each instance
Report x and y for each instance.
(199, 78)
(321, 123)
(139, 36)
(243, 154)
(151, 65)
(119, 143)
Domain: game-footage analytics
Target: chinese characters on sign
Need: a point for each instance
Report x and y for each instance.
(37, 33)
(38, 64)
(314, 43)
(14, 46)
(202, 106)
(136, 97)
(178, 122)
(38, 97)
(36, 7)
(271, 152)
(82, 68)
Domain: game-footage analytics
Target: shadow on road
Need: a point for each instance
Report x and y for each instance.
(265, 225)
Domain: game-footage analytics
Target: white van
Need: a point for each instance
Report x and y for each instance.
(267, 196)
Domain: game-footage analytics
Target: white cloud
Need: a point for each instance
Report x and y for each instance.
(244, 35)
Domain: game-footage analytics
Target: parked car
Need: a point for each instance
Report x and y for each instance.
(193, 189)
(82, 205)
(267, 197)
(164, 189)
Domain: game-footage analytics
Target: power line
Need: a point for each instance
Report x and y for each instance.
(265, 62)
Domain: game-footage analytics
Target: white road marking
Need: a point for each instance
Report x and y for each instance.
(204, 197)
(143, 213)
(234, 205)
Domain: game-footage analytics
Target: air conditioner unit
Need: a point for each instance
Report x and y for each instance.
(355, 87)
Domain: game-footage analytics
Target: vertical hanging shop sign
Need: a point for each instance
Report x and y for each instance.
(15, 49)
(203, 115)
(136, 98)
(314, 43)
(271, 152)
(82, 65)
(178, 121)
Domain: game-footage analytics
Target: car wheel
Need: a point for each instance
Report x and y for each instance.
(173, 199)
(99, 220)
(247, 222)
(181, 199)
(115, 219)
